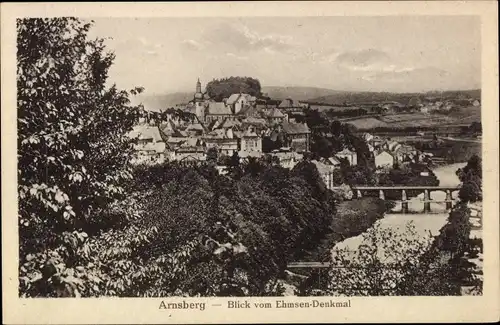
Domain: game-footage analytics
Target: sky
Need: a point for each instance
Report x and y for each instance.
(385, 53)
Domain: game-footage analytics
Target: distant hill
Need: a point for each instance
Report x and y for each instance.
(312, 95)
(299, 93)
(158, 102)
(403, 98)
(363, 97)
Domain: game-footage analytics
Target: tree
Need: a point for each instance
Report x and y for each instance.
(223, 88)
(73, 155)
(358, 175)
(322, 147)
(212, 155)
(471, 178)
(455, 234)
(387, 263)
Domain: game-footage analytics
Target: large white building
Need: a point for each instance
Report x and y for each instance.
(384, 159)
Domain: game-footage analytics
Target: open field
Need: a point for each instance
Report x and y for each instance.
(367, 123)
(463, 117)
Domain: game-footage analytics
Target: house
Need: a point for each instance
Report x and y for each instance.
(251, 141)
(326, 172)
(405, 153)
(376, 141)
(150, 153)
(168, 129)
(195, 129)
(332, 161)
(236, 102)
(222, 139)
(476, 103)
(216, 111)
(185, 149)
(297, 136)
(384, 159)
(350, 156)
(275, 116)
(228, 124)
(288, 159)
(258, 123)
(150, 147)
(249, 111)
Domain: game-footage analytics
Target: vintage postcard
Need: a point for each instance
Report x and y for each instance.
(250, 162)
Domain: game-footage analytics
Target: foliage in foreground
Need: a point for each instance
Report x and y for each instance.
(472, 180)
(272, 216)
(388, 262)
(73, 157)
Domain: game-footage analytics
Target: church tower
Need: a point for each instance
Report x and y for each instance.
(198, 86)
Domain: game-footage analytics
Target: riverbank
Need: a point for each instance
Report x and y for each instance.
(353, 217)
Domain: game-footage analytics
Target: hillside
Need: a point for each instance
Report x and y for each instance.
(299, 93)
(368, 97)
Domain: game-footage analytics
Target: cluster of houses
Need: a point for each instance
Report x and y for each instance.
(242, 124)
(237, 124)
(386, 153)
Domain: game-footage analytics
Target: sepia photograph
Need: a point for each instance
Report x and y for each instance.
(324, 157)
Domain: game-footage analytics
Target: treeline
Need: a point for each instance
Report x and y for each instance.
(247, 226)
(218, 89)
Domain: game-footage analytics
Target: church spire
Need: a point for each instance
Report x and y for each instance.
(198, 86)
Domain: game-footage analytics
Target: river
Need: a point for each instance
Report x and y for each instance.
(427, 224)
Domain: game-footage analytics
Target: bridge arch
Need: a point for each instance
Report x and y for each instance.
(405, 192)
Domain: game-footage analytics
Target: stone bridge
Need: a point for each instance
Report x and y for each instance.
(359, 190)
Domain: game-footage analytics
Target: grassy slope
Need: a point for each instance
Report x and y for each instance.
(464, 116)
